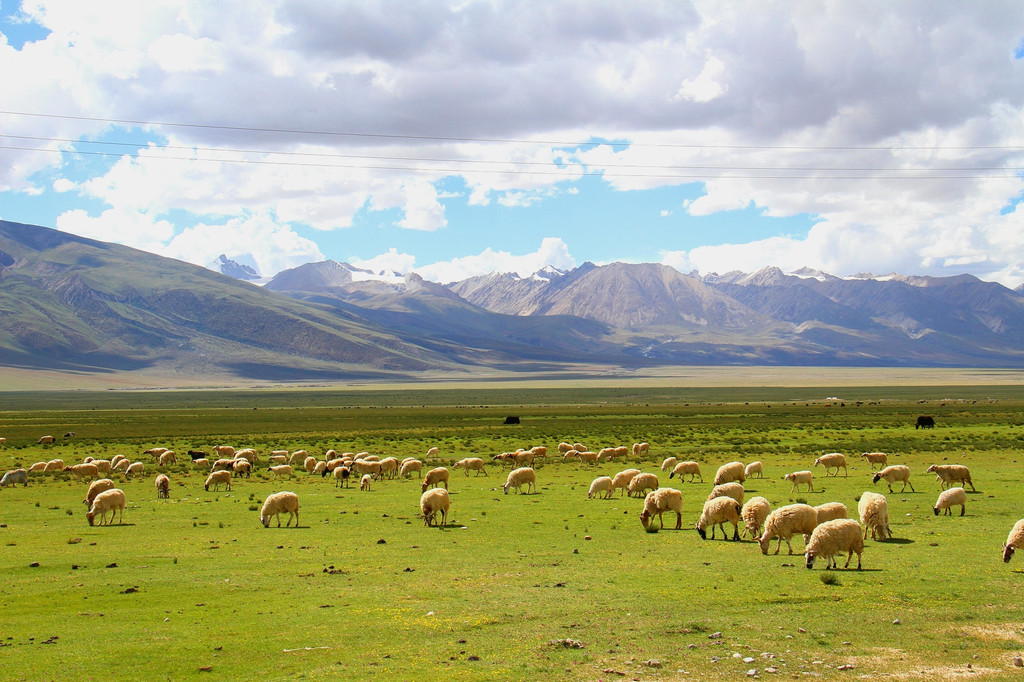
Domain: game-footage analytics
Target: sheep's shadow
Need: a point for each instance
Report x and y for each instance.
(896, 541)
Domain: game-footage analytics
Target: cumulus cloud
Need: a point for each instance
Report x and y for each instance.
(553, 251)
(386, 263)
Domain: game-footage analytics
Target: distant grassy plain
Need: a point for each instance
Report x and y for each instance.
(194, 585)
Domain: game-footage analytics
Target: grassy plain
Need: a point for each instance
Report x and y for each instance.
(194, 585)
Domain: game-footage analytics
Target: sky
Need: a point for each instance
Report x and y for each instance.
(456, 138)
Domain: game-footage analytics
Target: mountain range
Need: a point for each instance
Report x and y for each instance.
(72, 304)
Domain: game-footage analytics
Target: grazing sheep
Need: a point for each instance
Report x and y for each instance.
(38, 467)
(413, 465)
(333, 464)
(754, 512)
(517, 478)
(834, 537)
(362, 466)
(754, 468)
(474, 463)
(278, 504)
(224, 451)
(830, 511)
(277, 459)
(645, 448)
(580, 447)
(691, 469)
(389, 467)
(87, 470)
(216, 478)
(641, 483)
(248, 454)
(951, 473)
(438, 475)
(310, 464)
(299, 456)
(668, 464)
(242, 467)
(121, 466)
(201, 463)
(45, 440)
(585, 456)
(717, 512)
(432, 502)
(731, 489)
(433, 452)
(102, 465)
(539, 451)
(786, 521)
(135, 469)
(168, 458)
(523, 458)
(95, 488)
(952, 497)
(14, 477)
(601, 484)
(280, 470)
(155, 452)
(117, 458)
(364, 482)
(874, 458)
(54, 465)
(3, 441)
(163, 486)
(112, 501)
(833, 460)
(223, 464)
(873, 510)
(1014, 540)
(319, 468)
(891, 474)
(341, 476)
(564, 448)
(799, 478)
(622, 479)
(606, 454)
(284, 453)
(733, 471)
(659, 501)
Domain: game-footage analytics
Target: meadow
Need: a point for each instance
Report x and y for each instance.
(541, 586)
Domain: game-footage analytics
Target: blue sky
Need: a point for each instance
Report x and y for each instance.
(451, 141)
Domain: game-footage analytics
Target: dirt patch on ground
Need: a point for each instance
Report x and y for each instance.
(911, 667)
(1001, 632)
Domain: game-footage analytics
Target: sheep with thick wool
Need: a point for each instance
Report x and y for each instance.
(38, 467)
(341, 476)
(834, 537)
(82, 471)
(754, 512)
(786, 521)
(691, 469)
(833, 460)
(799, 478)
(281, 470)
(754, 468)
(163, 486)
(1014, 540)
(660, 501)
(585, 456)
(167, 458)
(873, 510)
(517, 478)
(299, 456)
(733, 471)
(641, 483)
(432, 502)
(14, 477)
(242, 467)
(277, 504)
(952, 497)
(893, 474)
(731, 489)
(362, 466)
(412, 465)
(112, 501)
(216, 478)
(364, 483)
(874, 458)
(601, 484)
(54, 465)
(389, 467)
(717, 512)
(949, 474)
(102, 465)
(621, 480)
(97, 487)
(669, 463)
(436, 476)
(830, 511)
(309, 464)
(468, 464)
(121, 466)
(135, 469)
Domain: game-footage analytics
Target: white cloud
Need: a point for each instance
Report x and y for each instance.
(130, 227)
(389, 262)
(553, 251)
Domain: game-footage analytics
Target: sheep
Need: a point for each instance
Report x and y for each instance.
(605, 454)
(97, 487)
(115, 459)
(413, 465)
(564, 447)
(14, 477)
(87, 470)
(830, 511)
(659, 501)
(874, 458)
(280, 470)
(585, 456)
(731, 489)
(668, 464)
(223, 464)
(433, 452)
(833, 460)
(891, 474)
(523, 458)
(1014, 540)
(580, 447)
(319, 468)
(224, 451)
(642, 448)
(733, 471)
(753, 513)
(361, 466)
(3, 441)
(112, 501)
(341, 476)
(717, 512)
(834, 537)
(155, 452)
(951, 498)
(309, 464)
(433, 478)
(277, 459)
(135, 469)
(873, 510)
(622, 479)
(102, 465)
(247, 453)
(640, 483)
(432, 502)
(364, 482)
(54, 465)
(299, 456)
(163, 486)
(37, 467)
(786, 521)
(389, 467)
(201, 463)
(216, 478)
(242, 467)
(45, 440)
(799, 478)
(278, 504)
(121, 466)
(517, 478)
(601, 484)
(474, 463)
(333, 464)
(754, 468)
(279, 453)
(539, 451)
(168, 458)
(691, 469)
(951, 473)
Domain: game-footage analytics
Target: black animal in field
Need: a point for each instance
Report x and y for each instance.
(925, 421)
(511, 420)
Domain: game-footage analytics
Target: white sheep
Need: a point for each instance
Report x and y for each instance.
(97, 487)
(580, 447)
(389, 467)
(247, 453)
(155, 452)
(644, 448)
(45, 440)
(731, 489)
(951, 473)
(224, 451)
(800, 478)
(733, 471)
(412, 465)
(659, 501)
(319, 468)
(622, 479)
(640, 483)
(433, 452)
(135, 469)
(201, 463)
(112, 501)
(163, 486)
(601, 484)
(1014, 540)
(437, 475)
(874, 458)
(86, 470)
(167, 458)
(3, 441)
(539, 451)
(754, 468)
(717, 512)
(891, 474)
(309, 464)
(953, 497)
(223, 464)
(873, 510)
(564, 447)
(102, 465)
(668, 464)
(54, 465)
(474, 463)
(299, 456)
(517, 478)
(364, 482)
(216, 478)
(362, 466)
(278, 504)
(834, 537)
(691, 469)
(432, 502)
(38, 467)
(830, 511)
(14, 477)
(585, 456)
(277, 459)
(242, 467)
(606, 454)
(754, 512)
(281, 470)
(786, 521)
(341, 476)
(121, 466)
(833, 460)
(115, 459)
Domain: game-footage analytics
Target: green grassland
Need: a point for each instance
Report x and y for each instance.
(195, 586)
